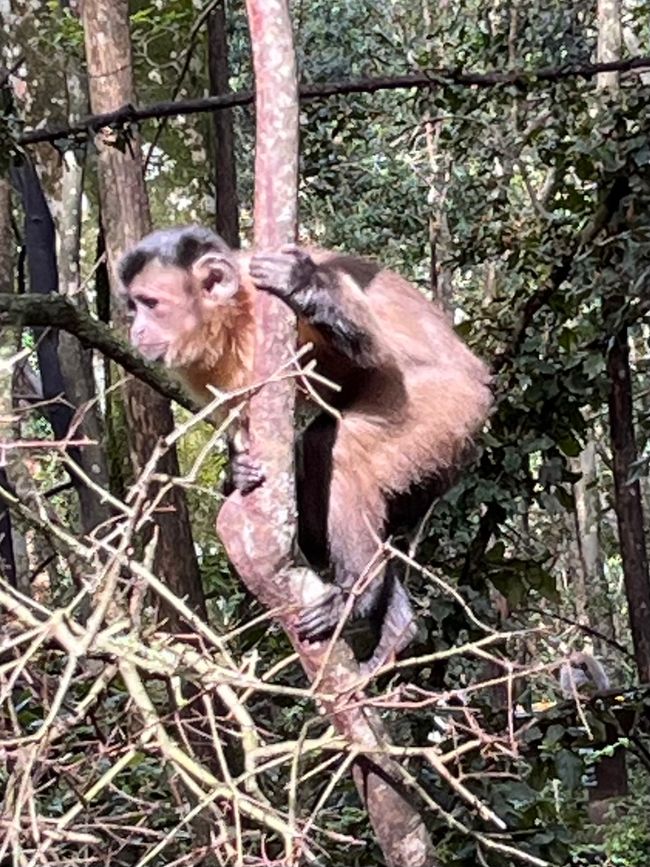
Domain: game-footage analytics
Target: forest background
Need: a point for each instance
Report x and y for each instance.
(497, 155)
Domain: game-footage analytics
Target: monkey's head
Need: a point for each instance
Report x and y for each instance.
(178, 283)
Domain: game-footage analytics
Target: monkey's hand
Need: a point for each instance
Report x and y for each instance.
(319, 620)
(246, 472)
(285, 274)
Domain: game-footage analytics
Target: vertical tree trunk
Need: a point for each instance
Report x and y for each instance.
(629, 511)
(39, 238)
(593, 606)
(258, 530)
(7, 557)
(125, 218)
(223, 160)
(77, 362)
(589, 580)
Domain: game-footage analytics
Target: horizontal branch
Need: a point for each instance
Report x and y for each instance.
(436, 78)
(55, 311)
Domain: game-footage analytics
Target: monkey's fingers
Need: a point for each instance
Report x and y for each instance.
(319, 620)
(271, 272)
(377, 660)
(292, 250)
(282, 273)
(247, 474)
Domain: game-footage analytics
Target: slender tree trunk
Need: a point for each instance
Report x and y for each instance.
(591, 597)
(258, 531)
(39, 238)
(77, 362)
(225, 166)
(16, 543)
(125, 217)
(629, 510)
(7, 556)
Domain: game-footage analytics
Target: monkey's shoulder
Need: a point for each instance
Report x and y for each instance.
(370, 277)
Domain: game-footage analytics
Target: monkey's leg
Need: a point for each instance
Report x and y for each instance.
(313, 479)
(314, 293)
(355, 520)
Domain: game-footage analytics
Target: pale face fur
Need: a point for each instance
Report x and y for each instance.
(198, 322)
(165, 312)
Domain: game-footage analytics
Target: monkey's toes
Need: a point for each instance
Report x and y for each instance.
(319, 621)
(247, 474)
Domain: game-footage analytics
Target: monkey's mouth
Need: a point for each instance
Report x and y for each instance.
(153, 351)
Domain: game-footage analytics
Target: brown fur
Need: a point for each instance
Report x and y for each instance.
(417, 417)
(221, 354)
(438, 388)
(407, 411)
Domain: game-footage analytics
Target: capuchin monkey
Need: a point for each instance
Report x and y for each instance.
(582, 673)
(411, 397)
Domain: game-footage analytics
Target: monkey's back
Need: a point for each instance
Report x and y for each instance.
(429, 394)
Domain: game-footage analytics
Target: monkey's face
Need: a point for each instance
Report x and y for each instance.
(170, 306)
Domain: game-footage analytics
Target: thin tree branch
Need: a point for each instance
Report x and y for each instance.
(524, 80)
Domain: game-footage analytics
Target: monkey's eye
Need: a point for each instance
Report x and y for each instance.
(149, 303)
(130, 305)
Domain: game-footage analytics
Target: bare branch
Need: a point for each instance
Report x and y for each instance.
(441, 78)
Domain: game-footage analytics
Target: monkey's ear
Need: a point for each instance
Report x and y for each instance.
(216, 276)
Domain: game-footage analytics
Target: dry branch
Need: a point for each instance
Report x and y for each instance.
(110, 639)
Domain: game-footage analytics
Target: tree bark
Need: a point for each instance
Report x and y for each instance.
(7, 556)
(629, 510)
(39, 238)
(258, 530)
(76, 360)
(592, 604)
(628, 504)
(225, 166)
(126, 218)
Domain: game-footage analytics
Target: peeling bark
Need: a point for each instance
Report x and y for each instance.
(259, 530)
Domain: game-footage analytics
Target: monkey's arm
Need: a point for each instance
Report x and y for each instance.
(314, 293)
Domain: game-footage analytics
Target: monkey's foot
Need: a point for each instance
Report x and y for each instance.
(319, 621)
(282, 273)
(246, 473)
(395, 637)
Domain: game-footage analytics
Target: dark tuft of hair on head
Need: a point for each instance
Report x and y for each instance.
(180, 246)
